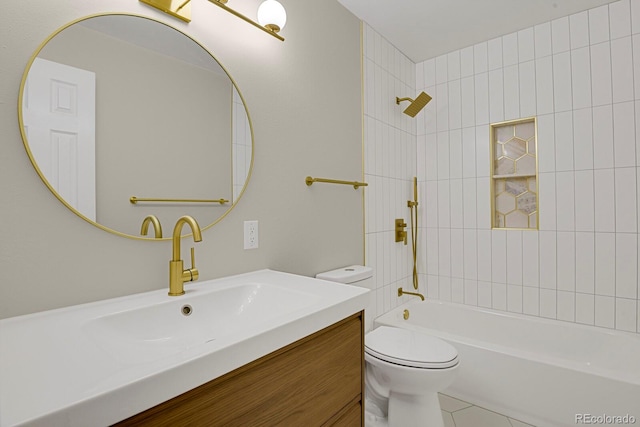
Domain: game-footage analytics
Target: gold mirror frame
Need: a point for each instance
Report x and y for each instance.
(55, 192)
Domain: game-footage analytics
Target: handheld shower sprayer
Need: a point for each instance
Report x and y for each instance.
(416, 104)
(413, 207)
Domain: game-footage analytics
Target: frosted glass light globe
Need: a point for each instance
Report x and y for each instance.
(272, 15)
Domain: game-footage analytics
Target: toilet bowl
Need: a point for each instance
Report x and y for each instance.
(405, 369)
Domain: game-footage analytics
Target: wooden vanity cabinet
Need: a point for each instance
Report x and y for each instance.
(316, 381)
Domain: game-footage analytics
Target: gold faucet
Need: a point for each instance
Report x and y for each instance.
(415, 294)
(151, 219)
(177, 274)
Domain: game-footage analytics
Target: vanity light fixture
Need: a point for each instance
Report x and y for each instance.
(271, 14)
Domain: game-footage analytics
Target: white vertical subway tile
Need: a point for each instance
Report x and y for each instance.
(548, 303)
(626, 314)
(443, 155)
(585, 262)
(635, 18)
(605, 311)
(432, 251)
(531, 301)
(579, 29)
(526, 50)
(433, 287)
(466, 62)
(444, 207)
(566, 306)
(431, 156)
(562, 96)
(444, 252)
(470, 254)
(560, 35)
(530, 264)
(468, 152)
(604, 185)
(514, 257)
(605, 267)
(624, 134)
(469, 203)
(599, 24)
(456, 200)
(471, 292)
(442, 113)
(637, 121)
(548, 259)
(455, 105)
(498, 256)
(584, 201)
(511, 93)
(453, 65)
(430, 72)
(547, 200)
(481, 85)
(510, 49)
(419, 81)
(542, 39)
(583, 139)
(499, 296)
(626, 200)
(484, 294)
(496, 96)
(603, 156)
(483, 203)
(430, 113)
(495, 53)
(468, 107)
(581, 77)
(543, 81)
(455, 153)
(565, 204)
(480, 64)
(457, 250)
(482, 151)
(601, 91)
(514, 298)
(546, 146)
(442, 73)
(585, 309)
(620, 19)
(528, 90)
(566, 261)
(635, 42)
(457, 290)
(622, 69)
(484, 255)
(627, 265)
(564, 141)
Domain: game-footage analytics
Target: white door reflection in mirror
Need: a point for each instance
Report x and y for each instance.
(59, 119)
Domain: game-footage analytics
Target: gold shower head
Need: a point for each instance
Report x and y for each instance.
(416, 104)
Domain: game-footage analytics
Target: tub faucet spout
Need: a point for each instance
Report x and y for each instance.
(415, 294)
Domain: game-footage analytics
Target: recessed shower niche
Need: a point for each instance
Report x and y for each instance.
(514, 166)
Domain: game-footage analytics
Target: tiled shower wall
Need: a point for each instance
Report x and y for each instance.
(580, 76)
(390, 165)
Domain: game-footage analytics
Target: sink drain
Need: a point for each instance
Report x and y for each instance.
(186, 310)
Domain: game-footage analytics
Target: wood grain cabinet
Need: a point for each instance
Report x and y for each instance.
(316, 381)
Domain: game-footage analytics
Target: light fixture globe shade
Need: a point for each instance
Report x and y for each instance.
(272, 15)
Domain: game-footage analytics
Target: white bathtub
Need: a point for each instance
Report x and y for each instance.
(544, 372)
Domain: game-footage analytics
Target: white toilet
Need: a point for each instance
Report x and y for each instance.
(405, 369)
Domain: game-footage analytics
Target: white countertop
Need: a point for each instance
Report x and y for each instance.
(55, 371)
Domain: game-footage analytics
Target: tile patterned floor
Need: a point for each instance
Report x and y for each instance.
(457, 413)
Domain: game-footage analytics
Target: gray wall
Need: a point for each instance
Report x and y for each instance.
(304, 98)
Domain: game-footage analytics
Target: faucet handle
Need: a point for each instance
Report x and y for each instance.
(193, 257)
(193, 271)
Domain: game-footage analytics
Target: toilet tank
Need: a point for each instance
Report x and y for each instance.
(356, 275)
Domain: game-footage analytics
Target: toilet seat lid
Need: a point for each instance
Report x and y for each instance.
(410, 348)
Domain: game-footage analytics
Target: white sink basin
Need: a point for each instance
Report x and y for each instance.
(149, 333)
(96, 364)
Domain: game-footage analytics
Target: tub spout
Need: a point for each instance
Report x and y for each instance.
(416, 294)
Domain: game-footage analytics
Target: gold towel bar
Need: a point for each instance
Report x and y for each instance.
(134, 200)
(355, 184)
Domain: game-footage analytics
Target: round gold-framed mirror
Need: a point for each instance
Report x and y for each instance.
(123, 117)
